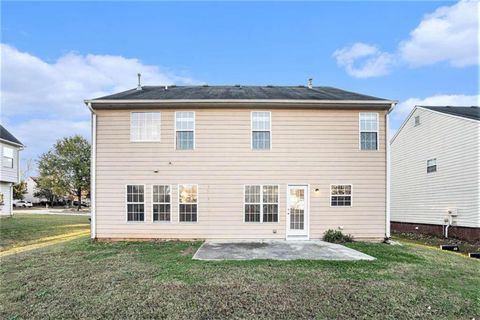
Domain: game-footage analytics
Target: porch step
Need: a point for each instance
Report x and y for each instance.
(297, 237)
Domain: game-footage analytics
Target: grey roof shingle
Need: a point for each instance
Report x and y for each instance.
(7, 136)
(239, 93)
(472, 112)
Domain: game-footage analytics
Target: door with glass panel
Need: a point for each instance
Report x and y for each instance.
(297, 211)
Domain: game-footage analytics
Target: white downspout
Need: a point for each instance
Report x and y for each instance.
(388, 180)
(93, 182)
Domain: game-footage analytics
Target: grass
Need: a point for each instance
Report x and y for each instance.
(431, 240)
(144, 280)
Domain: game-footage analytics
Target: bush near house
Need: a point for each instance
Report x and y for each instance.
(336, 236)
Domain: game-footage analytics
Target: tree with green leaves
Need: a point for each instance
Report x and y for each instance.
(65, 169)
(19, 189)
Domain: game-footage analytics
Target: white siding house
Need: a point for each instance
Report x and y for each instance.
(9, 169)
(435, 172)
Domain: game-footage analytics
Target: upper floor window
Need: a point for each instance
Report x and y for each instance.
(136, 202)
(431, 165)
(261, 130)
(145, 126)
(185, 130)
(417, 121)
(341, 195)
(8, 157)
(368, 131)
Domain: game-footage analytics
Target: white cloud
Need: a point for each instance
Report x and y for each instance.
(42, 102)
(449, 34)
(403, 108)
(362, 60)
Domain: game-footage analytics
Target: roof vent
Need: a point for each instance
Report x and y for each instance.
(269, 86)
(205, 85)
(166, 87)
(139, 86)
(238, 85)
(310, 83)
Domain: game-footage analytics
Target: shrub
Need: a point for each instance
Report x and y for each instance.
(336, 236)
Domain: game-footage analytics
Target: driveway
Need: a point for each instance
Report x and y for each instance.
(277, 250)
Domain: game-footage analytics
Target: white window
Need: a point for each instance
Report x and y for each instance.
(417, 121)
(145, 126)
(368, 131)
(261, 130)
(341, 195)
(135, 202)
(185, 130)
(8, 157)
(161, 203)
(261, 203)
(431, 165)
(188, 203)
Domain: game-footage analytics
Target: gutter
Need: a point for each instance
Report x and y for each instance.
(388, 173)
(93, 176)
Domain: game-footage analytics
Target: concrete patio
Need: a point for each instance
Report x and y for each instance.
(277, 250)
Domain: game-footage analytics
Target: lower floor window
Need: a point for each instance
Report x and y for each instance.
(135, 203)
(261, 203)
(187, 200)
(161, 203)
(341, 195)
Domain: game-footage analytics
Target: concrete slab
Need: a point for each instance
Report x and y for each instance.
(277, 250)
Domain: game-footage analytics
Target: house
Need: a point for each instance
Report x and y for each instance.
(32, 190)
(9, 170)
(436, 172)
(239, 162)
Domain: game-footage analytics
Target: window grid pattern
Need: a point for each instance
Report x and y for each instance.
(297, 209)
(261, 130)
(161, 203)
(8, 157)
(368, 131)
(341, 195)
(188, 203)
(135, 203)
(145, 126)
(431, 165)
(185, 130)
(261, 203)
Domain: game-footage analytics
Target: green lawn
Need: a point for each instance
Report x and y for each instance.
(139, 280)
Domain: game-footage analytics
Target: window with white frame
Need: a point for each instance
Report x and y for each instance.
(135, 202)
(188, 203)
(261, 203)
(8, 157)
(341, 195)
(161, 203)
(417, 121)
(261, 130)
(185, 130)
(368, 131)
(145, 126)
(432, 165)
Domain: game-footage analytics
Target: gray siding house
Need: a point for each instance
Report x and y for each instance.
(436, 172)
(239, 162)
(9, 170)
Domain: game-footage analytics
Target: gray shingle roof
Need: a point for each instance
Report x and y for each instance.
(239, 93)
(472, 112)
(7, 136)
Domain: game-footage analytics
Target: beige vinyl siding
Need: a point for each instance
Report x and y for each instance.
(316, 147)
(421, 197)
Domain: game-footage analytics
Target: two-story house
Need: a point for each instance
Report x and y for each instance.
(436, 172)
(239, 162)
(9, 170)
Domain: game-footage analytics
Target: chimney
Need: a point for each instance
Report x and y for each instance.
(139, 87)
(310, 83)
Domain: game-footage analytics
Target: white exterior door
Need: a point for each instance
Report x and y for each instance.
(297, 212)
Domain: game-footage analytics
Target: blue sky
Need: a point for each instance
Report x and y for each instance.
(414, 52)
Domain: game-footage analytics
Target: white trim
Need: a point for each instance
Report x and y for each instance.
(388, 178)
(148, 140)
(21, 146)
(175, 131)
(261, 204)
(360, 131)
(306, 217)
(93, 177)
(351, 194)
(240, 101)
(197, 203)
(269, 130)
(170, 203)
(144, 202)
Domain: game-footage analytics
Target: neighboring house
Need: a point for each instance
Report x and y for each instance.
(9, 169)
(239, 162)
(31, 190)
(435, 172)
